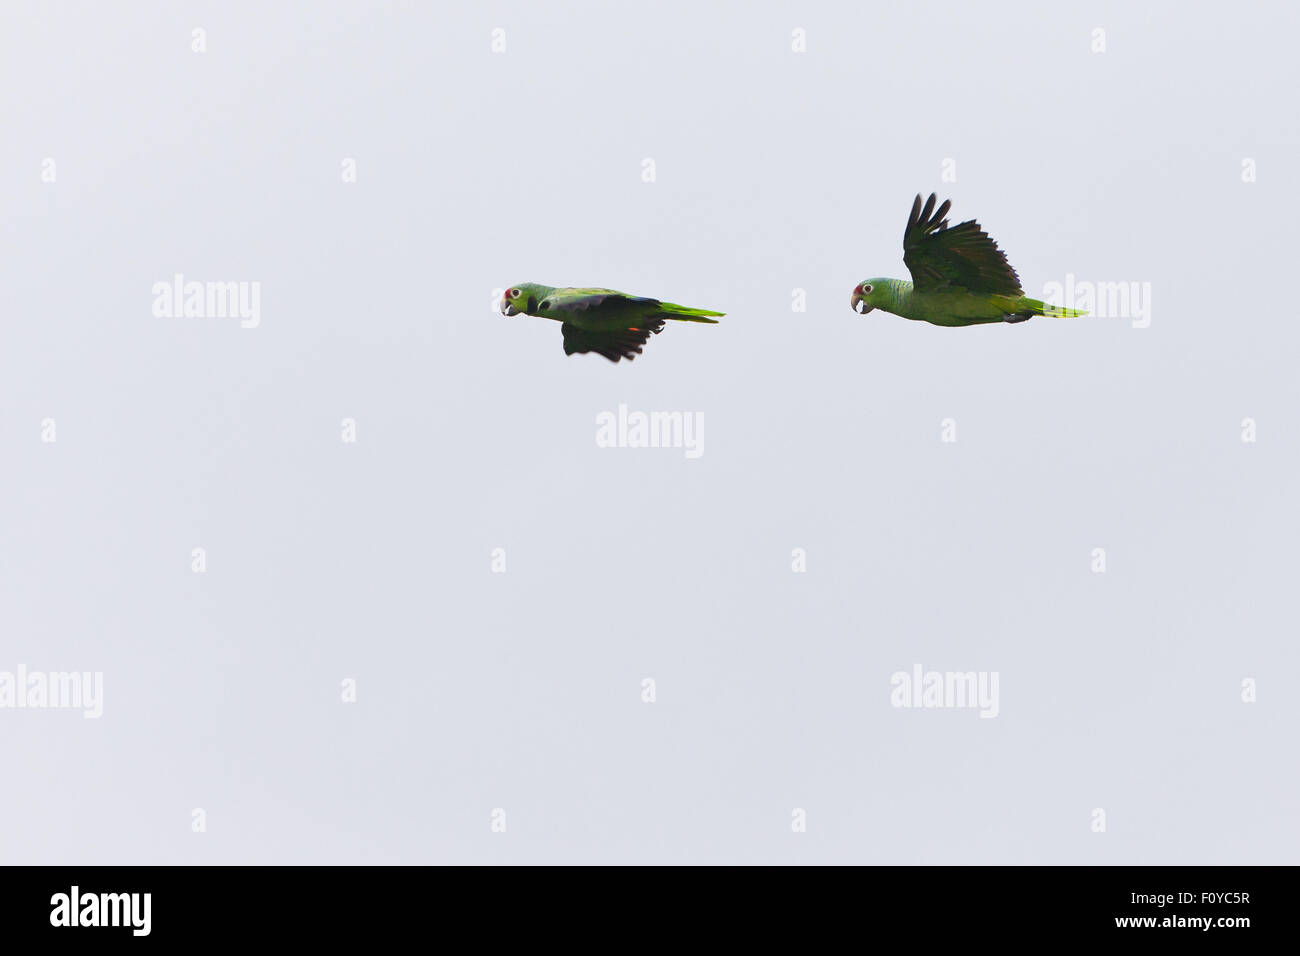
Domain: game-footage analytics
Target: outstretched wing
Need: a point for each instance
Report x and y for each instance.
(614, 345)
(962, 257)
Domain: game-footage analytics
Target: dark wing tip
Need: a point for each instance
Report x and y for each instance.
(613, 345)
(929, 208)
(926, 218)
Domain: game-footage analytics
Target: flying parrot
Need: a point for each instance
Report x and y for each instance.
(614, 324)
(959, 277)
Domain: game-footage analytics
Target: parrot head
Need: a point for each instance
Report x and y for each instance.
(517, 298)
(864, 296)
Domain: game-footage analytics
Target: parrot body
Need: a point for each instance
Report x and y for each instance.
(959, 277)
(609, 323)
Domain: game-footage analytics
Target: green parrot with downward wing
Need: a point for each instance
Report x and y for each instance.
(959, 277)
(612, 324)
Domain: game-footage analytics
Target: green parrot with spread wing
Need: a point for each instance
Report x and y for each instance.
(612, 324)
(959, 277)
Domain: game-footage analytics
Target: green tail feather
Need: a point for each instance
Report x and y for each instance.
(1036, 307)
(685, 313)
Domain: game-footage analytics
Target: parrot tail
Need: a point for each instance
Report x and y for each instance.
(683, 313)
(1025, 308)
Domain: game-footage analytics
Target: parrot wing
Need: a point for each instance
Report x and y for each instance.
(963, 257)
(615, 345)
(605, 302)
(612, 307)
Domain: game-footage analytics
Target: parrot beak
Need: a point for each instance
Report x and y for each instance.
(858, 305)
(508, 309)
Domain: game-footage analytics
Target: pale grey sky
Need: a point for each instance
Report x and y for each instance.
(774, 171)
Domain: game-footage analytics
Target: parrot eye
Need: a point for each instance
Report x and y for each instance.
(866, 289)
(514, 293)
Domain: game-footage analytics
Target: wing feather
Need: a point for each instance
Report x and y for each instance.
(604, 301)
(962, 257)
(615, 345)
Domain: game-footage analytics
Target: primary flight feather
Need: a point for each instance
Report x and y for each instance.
(959, 276)
(609, 323)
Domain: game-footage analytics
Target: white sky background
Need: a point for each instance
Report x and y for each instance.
(522, 690)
